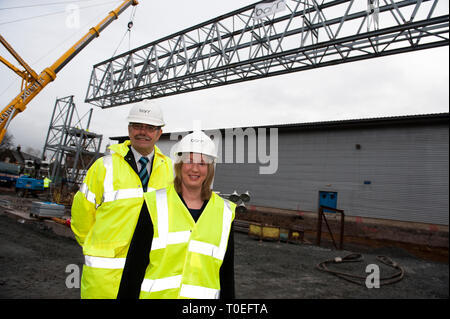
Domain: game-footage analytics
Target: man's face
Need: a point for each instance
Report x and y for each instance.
(143, 137)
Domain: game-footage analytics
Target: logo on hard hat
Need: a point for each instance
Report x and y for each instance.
(194, 140)
(144, 111)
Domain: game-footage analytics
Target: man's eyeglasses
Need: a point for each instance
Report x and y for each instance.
(145, 127)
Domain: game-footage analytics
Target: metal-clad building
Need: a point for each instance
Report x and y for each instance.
(392, 168)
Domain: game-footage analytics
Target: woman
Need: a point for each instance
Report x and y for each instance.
(192, 247)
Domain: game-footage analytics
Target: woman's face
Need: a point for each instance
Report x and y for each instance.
(194, 170)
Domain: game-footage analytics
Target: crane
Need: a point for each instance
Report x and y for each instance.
(32, 83)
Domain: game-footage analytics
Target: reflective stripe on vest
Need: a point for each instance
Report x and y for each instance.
(198, 292)
(161, 284)
(172, 238)
(124, 194)
(188, 291)
(109, 194)
(103, 262)
(181, 283)
(166, 238)
(163, 218)
(90, 196)
(108, 186)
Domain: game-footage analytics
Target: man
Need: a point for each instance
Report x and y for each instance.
(47, 182)
(106, 217)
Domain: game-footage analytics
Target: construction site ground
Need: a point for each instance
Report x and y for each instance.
(37, 260)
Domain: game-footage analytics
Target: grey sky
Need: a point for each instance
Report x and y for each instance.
(412, 83)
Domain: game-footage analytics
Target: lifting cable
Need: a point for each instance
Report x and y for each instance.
(128, 31)
(396, 277)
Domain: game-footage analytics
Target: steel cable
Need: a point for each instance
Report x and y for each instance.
(396, 277)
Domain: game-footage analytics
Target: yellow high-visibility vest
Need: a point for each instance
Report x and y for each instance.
(185, 256)
(47, 182)
(105, 212)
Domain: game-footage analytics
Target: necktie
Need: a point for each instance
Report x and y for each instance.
(143, 173)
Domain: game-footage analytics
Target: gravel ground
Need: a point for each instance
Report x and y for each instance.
(34, 261)
(285, 271)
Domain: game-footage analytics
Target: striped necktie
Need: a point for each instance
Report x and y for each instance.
(143, 173)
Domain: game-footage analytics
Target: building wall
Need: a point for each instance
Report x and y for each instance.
(399, 172)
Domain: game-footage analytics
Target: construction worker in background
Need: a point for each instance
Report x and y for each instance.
(47, 182)
(192, 250)
(106, 210)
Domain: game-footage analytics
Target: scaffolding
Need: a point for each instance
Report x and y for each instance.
(70, 147)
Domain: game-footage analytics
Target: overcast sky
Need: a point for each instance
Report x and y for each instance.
(405, 84)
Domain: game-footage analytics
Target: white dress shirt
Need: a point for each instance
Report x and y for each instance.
(138, 155)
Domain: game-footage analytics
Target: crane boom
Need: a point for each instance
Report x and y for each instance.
(35, 83)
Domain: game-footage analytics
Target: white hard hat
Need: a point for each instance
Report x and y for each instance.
(147, 113)
(196, 142)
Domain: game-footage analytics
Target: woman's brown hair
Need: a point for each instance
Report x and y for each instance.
(206, 186)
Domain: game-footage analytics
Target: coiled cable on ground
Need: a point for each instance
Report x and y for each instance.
(396, 277)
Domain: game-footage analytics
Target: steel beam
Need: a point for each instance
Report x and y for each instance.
(238, 47)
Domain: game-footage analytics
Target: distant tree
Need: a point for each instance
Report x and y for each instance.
(32, 151)
(7, 141)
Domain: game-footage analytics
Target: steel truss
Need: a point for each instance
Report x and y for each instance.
(237, 47)
(70, 147)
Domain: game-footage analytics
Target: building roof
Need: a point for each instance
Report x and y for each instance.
(17, 156)
(377, 121)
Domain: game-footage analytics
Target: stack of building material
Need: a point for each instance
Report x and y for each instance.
(46, 209)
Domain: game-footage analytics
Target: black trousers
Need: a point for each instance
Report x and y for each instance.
(137, 257)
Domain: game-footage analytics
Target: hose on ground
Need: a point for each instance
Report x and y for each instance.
(396, 277)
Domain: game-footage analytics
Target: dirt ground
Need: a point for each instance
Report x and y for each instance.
(35, 263)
